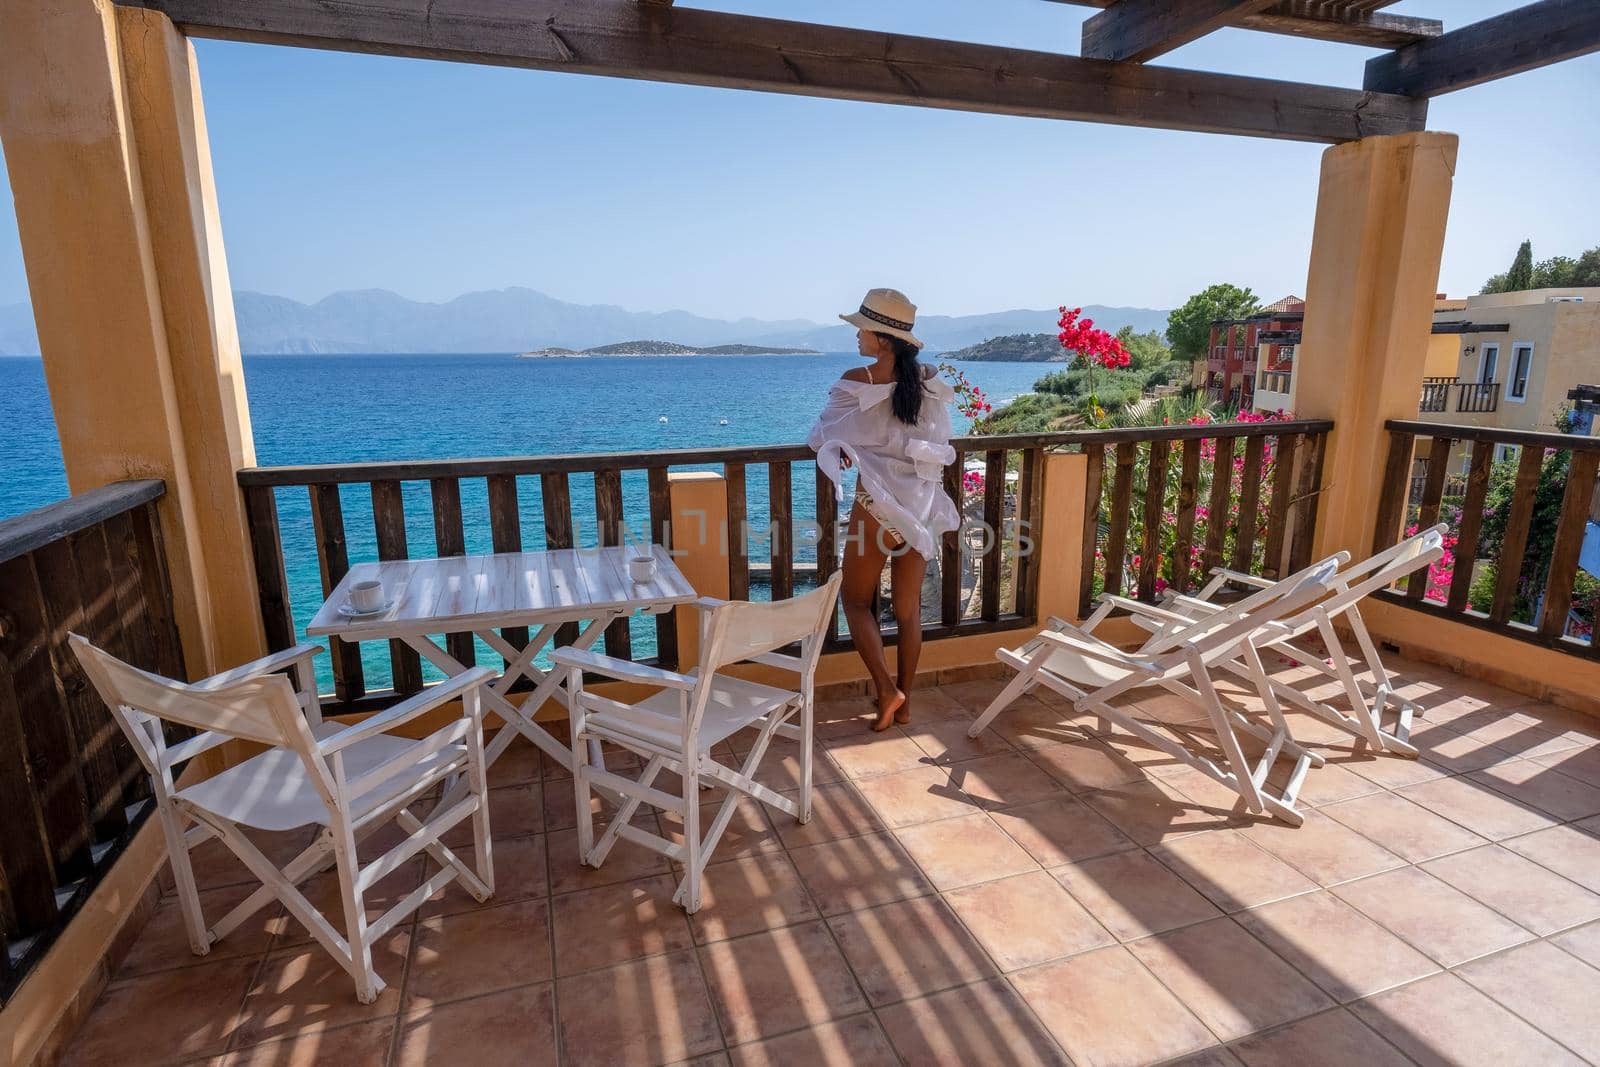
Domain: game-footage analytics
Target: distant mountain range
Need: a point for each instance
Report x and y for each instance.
(668, 348)
(517, 320)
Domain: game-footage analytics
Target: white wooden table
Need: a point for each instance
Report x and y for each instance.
(482, 594)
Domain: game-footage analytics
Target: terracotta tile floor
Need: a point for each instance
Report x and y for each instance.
(1045, 894)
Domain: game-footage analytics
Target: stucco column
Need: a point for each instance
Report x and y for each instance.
(1058, 535)
(110, 167)
(1379, 236)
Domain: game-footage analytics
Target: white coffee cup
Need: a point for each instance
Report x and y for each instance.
(366, 596)
(642, 568)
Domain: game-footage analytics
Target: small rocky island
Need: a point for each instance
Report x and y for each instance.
(666, 348)
(1013, 348)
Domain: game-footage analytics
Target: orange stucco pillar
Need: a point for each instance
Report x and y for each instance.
(1058, 536)
(1381, 211)
(105, 141)
(699, 536)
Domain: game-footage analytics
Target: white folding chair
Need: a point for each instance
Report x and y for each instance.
(350, 780)
(1093, 673)
(1369, 702)
(675, 728)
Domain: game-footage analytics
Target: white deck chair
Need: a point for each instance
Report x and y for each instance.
(1092, 673)
(1369, 702)
(675, 728)
(350, 780)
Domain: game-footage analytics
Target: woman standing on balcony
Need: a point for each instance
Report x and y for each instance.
(891, 421)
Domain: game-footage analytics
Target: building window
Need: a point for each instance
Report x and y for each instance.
(1521, 367)
(1488, 362)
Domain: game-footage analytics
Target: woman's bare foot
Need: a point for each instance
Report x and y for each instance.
(903, 716)
(889, 706)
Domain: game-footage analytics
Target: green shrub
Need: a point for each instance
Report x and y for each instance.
(1480, 594)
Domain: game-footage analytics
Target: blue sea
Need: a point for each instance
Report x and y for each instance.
(342, 409)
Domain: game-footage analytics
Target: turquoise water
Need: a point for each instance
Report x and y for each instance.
(342, 409)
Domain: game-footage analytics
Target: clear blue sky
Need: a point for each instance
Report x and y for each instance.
(341, 171)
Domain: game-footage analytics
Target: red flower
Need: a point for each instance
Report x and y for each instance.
(1082, 338)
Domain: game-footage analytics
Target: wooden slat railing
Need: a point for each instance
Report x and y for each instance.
(1477, 397)
(71, 789)
(1435, 394)
(1138, 490)
(986, 582)
(1531, 538)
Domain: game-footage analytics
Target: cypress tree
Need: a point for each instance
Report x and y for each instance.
(1520, 276)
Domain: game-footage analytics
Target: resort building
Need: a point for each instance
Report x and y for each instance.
(1379, 847)
(1510, 360)
(1255, 354)
(1278, 343)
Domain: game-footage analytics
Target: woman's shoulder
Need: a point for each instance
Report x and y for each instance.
(855, 374)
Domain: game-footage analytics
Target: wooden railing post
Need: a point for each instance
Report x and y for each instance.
(389, 522)
(827, 540)
(1569, 542)
(505, 533)
(608, 519)
(951, 550)
(1029, 528)
(736, 523)
(1094, 473)
(1155, 494)
(780, 504)
(661, 533)
(29, 874)
(333, 563)
(272, 583)
(994, 493)
(449, 539)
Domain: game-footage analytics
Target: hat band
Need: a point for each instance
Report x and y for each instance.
(886, 320)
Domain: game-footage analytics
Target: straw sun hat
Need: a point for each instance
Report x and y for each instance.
(886, 311)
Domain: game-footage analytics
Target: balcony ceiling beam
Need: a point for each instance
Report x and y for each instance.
(1322, 20)
(622, 38)
(1529, 37)
(1471, 327)
(1343, 25)
(1137, 30)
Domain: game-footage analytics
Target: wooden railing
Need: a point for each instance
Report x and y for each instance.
(540, 502)
(1513, 567)
(1167, 504)
(1476, 398)
(71, 789)
(1436, 394)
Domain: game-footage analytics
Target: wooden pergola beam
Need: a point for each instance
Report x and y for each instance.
(1313, 19)
(1529, 37)
(1137, 30)
(621, 38)
(1322, 20)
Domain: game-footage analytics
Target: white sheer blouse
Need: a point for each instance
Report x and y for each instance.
(901, 467)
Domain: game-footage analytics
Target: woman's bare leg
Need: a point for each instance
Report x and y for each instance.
(864, 556)
(906, 572)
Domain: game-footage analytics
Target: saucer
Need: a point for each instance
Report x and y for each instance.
(351, 613)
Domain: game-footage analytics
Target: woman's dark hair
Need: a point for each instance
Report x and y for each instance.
(907, 399)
